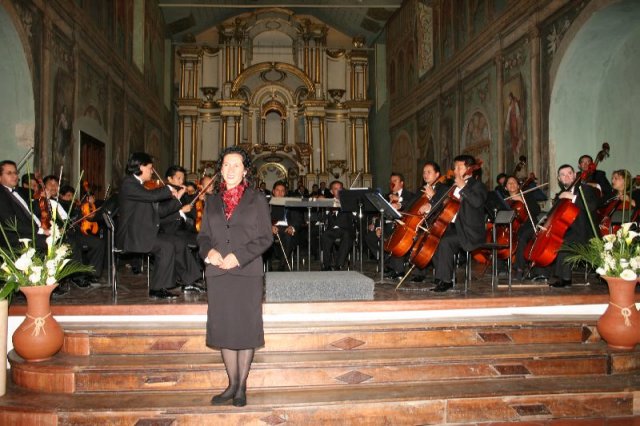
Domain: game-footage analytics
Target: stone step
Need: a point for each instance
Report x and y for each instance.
(191, 372)
(118, 338)
(534, 400)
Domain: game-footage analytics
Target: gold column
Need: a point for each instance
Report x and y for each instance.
(365, 146)
(263, 122)
(236, 130)
(309, 142)
(353, 81)
(365, 81)
(239, 59)
(181, 139)
(283, 132)
(306, 57)
(194, 143)
(323, 147)
(354, 153)
(224, 131)
(317, 80)
(183, 70)
(227, 62)
(194, 90)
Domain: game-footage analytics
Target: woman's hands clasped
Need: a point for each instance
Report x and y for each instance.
(228, 262)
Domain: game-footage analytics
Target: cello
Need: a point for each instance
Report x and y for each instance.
(427, 243)
(405, 232)
(543, 250)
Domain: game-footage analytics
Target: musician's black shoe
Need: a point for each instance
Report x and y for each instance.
(417, 279)
(561, 284)
(163, 293)
(81, 282)
(393, 275)
(61, 290)
(327, 268)
(192, 288)
(536, 278)
(442, 286)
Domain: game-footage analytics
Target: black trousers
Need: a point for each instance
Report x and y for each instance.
(443, 259)
(328, 239)
(96, 250)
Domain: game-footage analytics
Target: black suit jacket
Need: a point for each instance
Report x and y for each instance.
(470, 221)
(138, 215)
(12, 211)
(247, 233)
(295, 217)
(581, 230)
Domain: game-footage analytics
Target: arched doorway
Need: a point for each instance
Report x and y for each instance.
(596, 92)
(16, 93)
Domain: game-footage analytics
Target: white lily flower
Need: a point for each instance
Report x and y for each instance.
(51, 280)
(34, 278)
(608, 246)
(25, 241)
(23, 263)
(628, 275)
(609, 238)
(601, 271)
(626, 226)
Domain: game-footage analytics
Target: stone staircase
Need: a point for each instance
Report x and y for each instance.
(459, 371)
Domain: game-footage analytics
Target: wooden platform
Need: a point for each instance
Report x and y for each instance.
(492, 356)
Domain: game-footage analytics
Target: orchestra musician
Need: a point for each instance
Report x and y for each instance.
(434, 190)
(339, 227)
(467, 229)
(138, 229)
(286, 225)
(597, 179)
(14, 207)
(94, 245)
(177, 221)
(622, 199)
(400, 199)
(580, 230)
(526, 230)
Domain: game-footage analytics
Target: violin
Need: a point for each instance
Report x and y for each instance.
(43, 203)
(427, 243)
(88, 208)
(543, 250)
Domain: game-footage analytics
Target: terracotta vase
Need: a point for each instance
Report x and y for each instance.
(619, 326)
(39, 337)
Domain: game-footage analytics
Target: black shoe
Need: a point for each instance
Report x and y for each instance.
(442, 286)
(417, 279)
(221, 399)
(60, 291)
(81, 282)
(240, 401)
(392, 275)
(192, 288)
(536, 278)
(561, 284)
(326, 268)
(163, 293)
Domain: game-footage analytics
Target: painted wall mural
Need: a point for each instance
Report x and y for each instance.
(424, 38)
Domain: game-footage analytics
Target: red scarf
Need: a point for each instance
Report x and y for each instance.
(231, 197)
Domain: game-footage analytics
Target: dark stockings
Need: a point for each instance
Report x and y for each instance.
(237, 363)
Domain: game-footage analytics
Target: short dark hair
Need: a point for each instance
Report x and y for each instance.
(65, 189)
(279, 183)
(582, 157)
(27, 178)
(6, 163)
(334, 182)
(467, 159)
(564, 166)
(189, 183)
(500, 176)
(433, 164)
(136, 160)
(50, 177)
(400, 175)
(172, 170)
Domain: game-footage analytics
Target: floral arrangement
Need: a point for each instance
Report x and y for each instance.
(26, 266)
(614, 255)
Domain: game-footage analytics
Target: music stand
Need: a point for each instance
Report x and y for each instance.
(387, 209)
(355, 200)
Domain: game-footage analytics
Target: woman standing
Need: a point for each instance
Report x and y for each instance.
(236, 230)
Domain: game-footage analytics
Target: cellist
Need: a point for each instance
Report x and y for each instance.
(467, 229)
(400, 199)
(580, 230)
(622, 199)
(526, 230)
(434, 190)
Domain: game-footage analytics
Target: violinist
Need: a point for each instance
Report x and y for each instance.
(623, 200)
(139, 223)
(580, 230)
(286, 226)
(15, 208)
(526, 208)
(29, 183)
(467, 229)
(177, 221)
(597, 178)
(95, 247)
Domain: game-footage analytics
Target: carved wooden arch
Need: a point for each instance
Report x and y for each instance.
(266, 66)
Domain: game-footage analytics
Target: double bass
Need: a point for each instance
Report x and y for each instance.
(543, 250)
